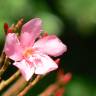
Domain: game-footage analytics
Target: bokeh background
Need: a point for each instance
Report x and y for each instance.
(74, 21)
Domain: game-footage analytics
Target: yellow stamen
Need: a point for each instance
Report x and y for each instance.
(27, 52)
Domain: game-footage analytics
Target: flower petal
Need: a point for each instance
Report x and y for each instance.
(12, 47)
(50, 45)
(43, 64)
(25, 68)
(30, 31)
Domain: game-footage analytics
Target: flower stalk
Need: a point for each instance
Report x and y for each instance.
(3, 83)
(2, 59)
(16, 87)
(30, 85)
(5, 65)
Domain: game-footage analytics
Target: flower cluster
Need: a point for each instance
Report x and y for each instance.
(30, 53)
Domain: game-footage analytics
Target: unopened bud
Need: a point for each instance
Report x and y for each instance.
(57, 61)
(59, 92)
(67, 78)
(45, 34)
(19, 23)
(63, 78)
(9, 30)
(6, 27)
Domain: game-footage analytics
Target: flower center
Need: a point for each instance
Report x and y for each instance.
(28, 52)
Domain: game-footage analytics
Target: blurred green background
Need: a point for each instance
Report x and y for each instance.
(74, 21)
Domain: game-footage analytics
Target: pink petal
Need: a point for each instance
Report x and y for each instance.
(12, 47)
(50, 45)
(25, 68)
(30, 31)
(43, 64)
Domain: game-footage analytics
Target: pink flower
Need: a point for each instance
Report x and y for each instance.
(32, 55)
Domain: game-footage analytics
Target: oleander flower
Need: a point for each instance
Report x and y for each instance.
(30, 54)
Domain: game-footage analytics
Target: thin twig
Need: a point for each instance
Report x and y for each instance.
(15, 88)
(4, 67)
(3, 84)
(30, 85)
(2, 58)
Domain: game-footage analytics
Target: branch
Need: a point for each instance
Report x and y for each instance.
(5, 65)
(16, 87)
(30, 85)
(3, 84)
(2, 58)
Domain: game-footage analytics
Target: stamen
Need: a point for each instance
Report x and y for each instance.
(27, 52)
